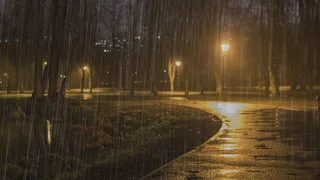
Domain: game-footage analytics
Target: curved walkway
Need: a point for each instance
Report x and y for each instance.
(256, 142)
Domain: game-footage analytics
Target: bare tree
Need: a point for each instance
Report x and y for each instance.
(171, 73)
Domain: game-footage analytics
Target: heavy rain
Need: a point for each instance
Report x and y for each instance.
(159, 89)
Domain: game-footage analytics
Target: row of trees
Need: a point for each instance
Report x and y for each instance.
(273, 42)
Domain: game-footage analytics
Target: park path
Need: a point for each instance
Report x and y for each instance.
(256, 142)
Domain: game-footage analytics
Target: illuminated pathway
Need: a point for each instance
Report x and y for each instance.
(256, 142)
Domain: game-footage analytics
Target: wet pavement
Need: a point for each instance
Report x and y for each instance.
(255, 142)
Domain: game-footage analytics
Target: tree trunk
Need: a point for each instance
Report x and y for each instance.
(152, 42)
(304, 73)
(285, 41)
(264, 66)
(311, 74)
(171, 73)
(59, 10)
(217, 57)
(82, 81)
(37, 89)
(293, 81)
(171, 86)
(271, 66)
(186, 86)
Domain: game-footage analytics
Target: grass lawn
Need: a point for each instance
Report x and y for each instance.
(97, 140)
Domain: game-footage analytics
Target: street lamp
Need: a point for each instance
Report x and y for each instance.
(107, 80)
(165, 76)
(178, 64)
(225, 48)
(84, 69)
(7, 82)
(44, 66)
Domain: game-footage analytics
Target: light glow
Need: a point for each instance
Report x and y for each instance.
(225, 47)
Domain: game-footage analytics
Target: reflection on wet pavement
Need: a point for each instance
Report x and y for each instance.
(256, 142)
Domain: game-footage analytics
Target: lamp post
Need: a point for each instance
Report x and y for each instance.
(178, 64)
(107, 80)
(225, 48)
(165, 78)
(7, 82)
(83, 70)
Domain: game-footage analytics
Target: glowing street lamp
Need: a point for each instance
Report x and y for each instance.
(45, 67)
(7, 82)
(84, 69)
(225, 48)
(178, 63)
(165, 76)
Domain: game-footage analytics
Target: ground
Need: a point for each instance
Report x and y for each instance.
(259, 138)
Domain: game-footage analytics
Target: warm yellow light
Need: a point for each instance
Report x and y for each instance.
(178, 63)
(45, 63)
(225, 47)
(85, 68)
(5, 74)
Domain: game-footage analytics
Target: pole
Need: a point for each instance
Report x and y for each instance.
(82, 80)
(224, 70)
(8, 84)
(224, 77)
(178, 82)
(318, 102)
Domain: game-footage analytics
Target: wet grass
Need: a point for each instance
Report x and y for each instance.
(102, 140)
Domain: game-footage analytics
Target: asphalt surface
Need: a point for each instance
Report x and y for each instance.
(256, 142)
